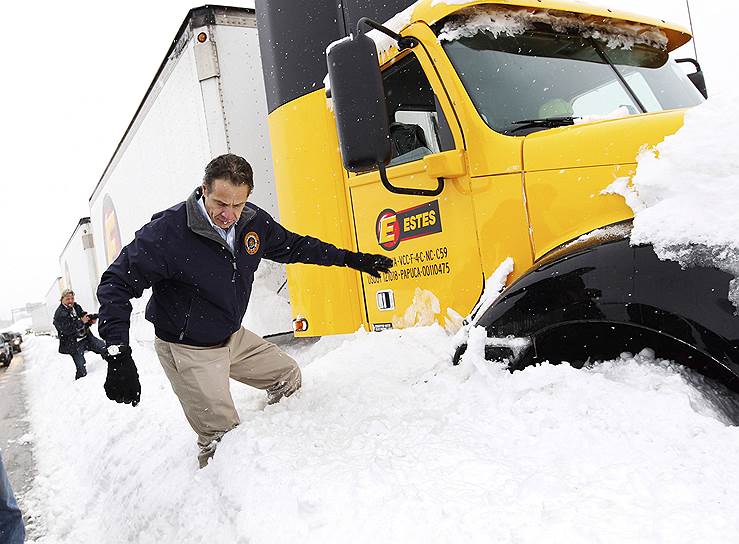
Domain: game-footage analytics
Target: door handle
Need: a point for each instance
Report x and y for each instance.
(444, 165)
(407, 190)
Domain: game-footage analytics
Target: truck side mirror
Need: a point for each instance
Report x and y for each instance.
(359, 103)
(696, 77)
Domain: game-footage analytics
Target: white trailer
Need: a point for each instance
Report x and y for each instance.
(78, 264)
(40, 318)
(206, 99)
(42, 313)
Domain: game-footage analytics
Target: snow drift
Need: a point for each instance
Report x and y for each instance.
(388, 442)
(685, 194)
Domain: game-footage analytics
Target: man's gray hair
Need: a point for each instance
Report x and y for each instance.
(65, 293)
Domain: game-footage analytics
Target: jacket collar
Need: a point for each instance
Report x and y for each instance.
(200, 225)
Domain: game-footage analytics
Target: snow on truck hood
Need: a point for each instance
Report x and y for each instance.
(685, 193)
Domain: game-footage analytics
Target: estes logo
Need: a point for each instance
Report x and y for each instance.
(393, 227)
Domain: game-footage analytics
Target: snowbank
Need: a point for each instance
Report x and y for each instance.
(685, 194)
(18, 326)
(387, 442)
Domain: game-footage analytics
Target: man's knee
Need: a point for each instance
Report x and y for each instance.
(97, 345)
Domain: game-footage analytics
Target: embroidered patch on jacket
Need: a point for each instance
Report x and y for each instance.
(251, 241)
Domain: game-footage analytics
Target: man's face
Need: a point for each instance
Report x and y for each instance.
(225, 201)
(68, 300)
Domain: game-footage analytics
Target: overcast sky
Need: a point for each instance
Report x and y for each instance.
(74, 73)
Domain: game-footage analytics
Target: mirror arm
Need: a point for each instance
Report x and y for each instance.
(697, 77)
(405, 190)
(403, 42)
(691, 61)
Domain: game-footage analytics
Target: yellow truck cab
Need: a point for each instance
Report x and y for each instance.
(460, 134)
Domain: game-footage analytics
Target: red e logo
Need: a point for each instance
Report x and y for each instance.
(387, 229)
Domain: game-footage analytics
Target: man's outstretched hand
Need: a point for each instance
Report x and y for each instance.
(122, 383)
(369, 263)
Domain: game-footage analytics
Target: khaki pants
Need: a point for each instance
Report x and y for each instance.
(199, 378)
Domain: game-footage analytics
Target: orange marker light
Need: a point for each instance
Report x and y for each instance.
(300, 325)
(202, 37)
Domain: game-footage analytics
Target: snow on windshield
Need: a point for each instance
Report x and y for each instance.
(685, 194)
(511, 22)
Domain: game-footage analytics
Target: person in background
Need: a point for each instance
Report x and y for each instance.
(200, 257)
(73, 326)
(12, 530)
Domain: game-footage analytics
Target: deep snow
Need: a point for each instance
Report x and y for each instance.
(388, 442)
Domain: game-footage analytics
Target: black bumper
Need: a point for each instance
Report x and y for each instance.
(606, 298)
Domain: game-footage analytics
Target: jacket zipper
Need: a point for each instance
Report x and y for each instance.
(187, 320)
(233, 282)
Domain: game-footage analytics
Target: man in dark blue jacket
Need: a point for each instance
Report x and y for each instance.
(72, 324)
(199, 257)
(12, 530)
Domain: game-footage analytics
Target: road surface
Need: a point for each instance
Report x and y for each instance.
(15, 436)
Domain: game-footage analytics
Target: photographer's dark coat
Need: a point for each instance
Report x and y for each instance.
(69, 327)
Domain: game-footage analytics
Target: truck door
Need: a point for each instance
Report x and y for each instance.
(432, 239)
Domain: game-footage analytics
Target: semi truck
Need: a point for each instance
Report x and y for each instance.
(451, 138)
(461, 134)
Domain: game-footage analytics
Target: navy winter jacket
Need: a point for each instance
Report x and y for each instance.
(69, 327)
(200, 288)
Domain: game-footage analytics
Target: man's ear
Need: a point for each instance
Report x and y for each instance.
(204, 188)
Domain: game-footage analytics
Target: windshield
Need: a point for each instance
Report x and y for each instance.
(541, 74)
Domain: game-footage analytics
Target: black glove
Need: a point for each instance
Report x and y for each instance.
(122, 383)
(368, 262)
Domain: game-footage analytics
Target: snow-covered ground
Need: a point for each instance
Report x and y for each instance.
(387, 442)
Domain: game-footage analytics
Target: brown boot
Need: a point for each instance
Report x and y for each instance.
(284, 388)
(206, 453)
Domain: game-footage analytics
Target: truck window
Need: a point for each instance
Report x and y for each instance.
(664, 87)
(542, 73)
(417, 123)
(612, 93)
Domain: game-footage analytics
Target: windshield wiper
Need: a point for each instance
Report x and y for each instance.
(546, 122)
